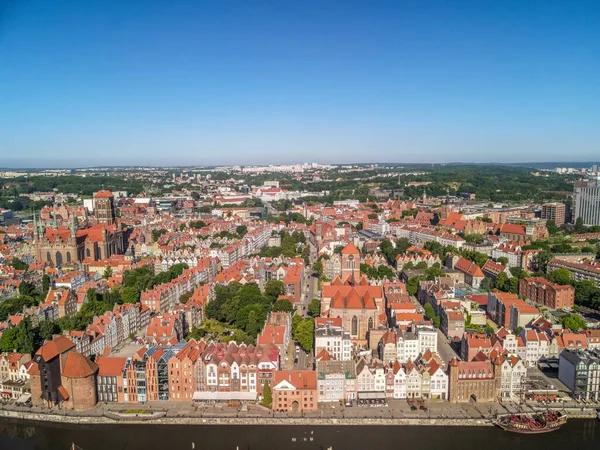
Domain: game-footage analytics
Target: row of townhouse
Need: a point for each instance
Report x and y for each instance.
(165, 297)
(252, 243)
(14, 375)
(331, 337)
(583, 270)
(407, 345)
(509, 311)
(429, 259)
(110, 329)
(422, 378)
(419, 236)
(188, 371)
(532, 345)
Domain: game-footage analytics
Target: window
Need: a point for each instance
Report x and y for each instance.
(354, 325)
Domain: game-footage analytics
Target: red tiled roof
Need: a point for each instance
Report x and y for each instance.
(300, 379)
(55, 347)
(78, 366)
(110, 366)
(103, 194)
(350, 249)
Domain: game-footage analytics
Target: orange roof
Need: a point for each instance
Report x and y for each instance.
(111, 366)
(350, 249)
(78, 366)
(300, 379)
(103, 194)
(331, 321)
(63, 392)
(466, 266)
(55, 347)
(323, 355)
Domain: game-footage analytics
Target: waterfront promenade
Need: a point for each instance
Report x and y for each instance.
(398, 412)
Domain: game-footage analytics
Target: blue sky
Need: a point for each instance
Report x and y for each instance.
(219, 82)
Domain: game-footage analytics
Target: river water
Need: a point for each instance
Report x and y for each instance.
(17, 435)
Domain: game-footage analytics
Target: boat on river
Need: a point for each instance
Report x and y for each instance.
(535, 423)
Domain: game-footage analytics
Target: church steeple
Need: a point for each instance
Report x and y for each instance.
(54, 215)
(35, 229)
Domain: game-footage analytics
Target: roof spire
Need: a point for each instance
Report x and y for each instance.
(54, 214)
(35, 230)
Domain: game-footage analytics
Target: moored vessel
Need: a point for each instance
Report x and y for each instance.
(532, 423)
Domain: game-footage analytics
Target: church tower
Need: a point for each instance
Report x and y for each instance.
(104, 207)
(350, 263)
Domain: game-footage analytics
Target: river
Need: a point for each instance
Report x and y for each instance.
(18, 435)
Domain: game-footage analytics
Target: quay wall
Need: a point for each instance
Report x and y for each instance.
(161, 420)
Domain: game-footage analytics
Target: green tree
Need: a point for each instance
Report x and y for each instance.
(296, 321)
(108, 272)
(267, 396)
(412, 285)
(314, 307)
(318, 268)
(47, 329)
(282, 305)
(402, 245)
(435, 247)
(18, 264)
(487, 284)
(241, 230)
(474, 238)
(513, 285)
(573, 322)
(501, 282)
(560, 276)
(388, 250)
(274, 288)
(385, 272)
(305, 333)
(540, 261)
(432, 273)
(9, 340)
(429, 311)
(156, 234)
(26, 337)
(45, 284)
(579, 226)
(197, 224)
(552, 228)
(503, 260)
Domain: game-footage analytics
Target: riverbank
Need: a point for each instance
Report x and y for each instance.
(296, 421)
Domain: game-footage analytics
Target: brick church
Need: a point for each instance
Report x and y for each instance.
(351, 298)
(68, 246)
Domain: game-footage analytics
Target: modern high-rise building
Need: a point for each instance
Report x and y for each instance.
(587, 205)
(554, 212)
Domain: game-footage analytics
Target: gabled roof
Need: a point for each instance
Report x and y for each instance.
(55, 347)
(78, 366)
(350, 249)
(103, 194)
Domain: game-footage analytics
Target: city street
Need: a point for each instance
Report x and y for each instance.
(444, 349)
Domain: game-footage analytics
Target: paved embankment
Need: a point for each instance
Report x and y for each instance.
(157, 419)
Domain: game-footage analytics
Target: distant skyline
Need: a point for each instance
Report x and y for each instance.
(269, 82)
